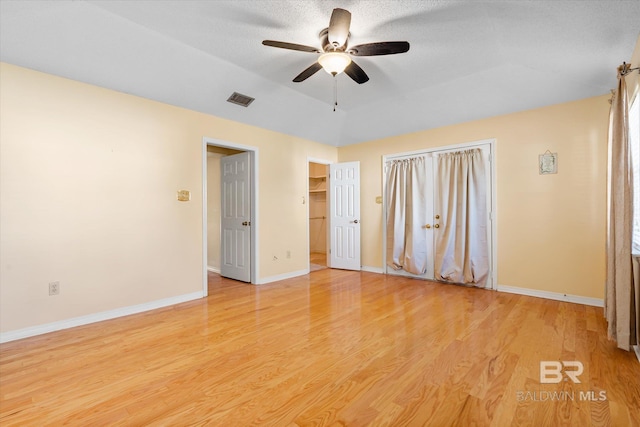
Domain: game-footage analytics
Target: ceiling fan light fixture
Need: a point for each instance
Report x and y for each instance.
(334, 62)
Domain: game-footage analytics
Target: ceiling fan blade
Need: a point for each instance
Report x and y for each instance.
(339, 27)
(354, 71)
(310, 71)
(290, 46)
(381, 48)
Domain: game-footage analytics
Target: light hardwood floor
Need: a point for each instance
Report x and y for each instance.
(317, 261)
(330, 348)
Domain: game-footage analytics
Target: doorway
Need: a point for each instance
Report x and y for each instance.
(317, 216)
(214, 156)
(213, 151)
(235, 217)
(333, 227)
(435, 228)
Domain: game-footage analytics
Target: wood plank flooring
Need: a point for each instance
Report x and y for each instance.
(317, 261)
(330, 348)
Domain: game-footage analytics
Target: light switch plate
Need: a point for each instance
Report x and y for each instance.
(379, 200)
(184, 195)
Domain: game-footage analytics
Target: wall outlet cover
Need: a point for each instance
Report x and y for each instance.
(54, 288)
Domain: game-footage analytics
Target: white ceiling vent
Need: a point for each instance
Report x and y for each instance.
(240, 99)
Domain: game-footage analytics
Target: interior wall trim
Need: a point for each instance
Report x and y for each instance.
(96, 317)
(596, 302)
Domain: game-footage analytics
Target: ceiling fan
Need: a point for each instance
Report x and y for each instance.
(336, 54)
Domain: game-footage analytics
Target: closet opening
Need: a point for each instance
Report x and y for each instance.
(438, 211)
(318, 241)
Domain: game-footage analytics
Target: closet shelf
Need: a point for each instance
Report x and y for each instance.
(318, 191)
(318, 177)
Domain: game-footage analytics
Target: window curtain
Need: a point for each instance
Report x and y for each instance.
(619, 303)
(406, 202)
(462, 247)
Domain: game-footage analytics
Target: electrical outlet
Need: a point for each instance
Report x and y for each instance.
(288, 254)
(54, 288)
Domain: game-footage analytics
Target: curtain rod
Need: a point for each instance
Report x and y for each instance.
(626, 70)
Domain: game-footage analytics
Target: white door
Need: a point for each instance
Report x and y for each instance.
(344, 216)
(235, 236)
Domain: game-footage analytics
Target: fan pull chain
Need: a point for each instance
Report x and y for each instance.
(335, 92)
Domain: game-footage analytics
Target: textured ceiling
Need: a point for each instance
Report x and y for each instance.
(468, 59)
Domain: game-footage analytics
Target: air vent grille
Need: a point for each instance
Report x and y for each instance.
(240, 99)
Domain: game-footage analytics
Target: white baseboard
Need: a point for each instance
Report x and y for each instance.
(96, 317)
(369, 269)
(284, 276)
(293, 274)
(213, 270)
(596, 302)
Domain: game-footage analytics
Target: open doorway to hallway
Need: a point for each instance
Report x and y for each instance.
(216, 158)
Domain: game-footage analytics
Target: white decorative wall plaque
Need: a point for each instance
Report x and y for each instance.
(548, 163)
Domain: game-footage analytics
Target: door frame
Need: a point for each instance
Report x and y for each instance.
(308, 202)
(493, 218)
(253, 164)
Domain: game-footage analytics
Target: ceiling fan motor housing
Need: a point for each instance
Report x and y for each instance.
(327, 46)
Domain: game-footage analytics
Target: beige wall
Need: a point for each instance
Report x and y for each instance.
(88, 181)
(550, 228)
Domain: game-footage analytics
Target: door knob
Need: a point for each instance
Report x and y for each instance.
(437, 216)
(436, 226)
(245, 223)
(355, 221)
(427, 226)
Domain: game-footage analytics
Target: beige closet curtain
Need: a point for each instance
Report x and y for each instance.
(619, 300)
(462, 247)
(406, 201)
